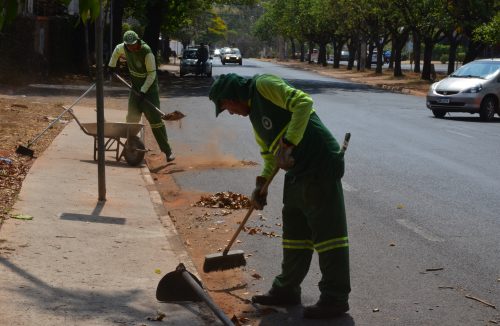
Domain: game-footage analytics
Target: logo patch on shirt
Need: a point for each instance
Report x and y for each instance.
(138, 63)
(267, 123)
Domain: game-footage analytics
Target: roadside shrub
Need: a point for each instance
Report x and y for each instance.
(443, 58)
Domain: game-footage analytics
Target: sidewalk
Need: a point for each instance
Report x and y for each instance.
(79, 262)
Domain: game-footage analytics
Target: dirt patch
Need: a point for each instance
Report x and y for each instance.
(21, 120)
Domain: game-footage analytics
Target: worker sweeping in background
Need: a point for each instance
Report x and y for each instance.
(291, 135)
(142, 67)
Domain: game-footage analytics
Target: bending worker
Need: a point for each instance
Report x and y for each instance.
(142, 67)
(291, 135)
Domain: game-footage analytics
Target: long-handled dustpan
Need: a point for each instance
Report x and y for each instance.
(235, 258)
(181, 285)
(172, 116)
(26, 150)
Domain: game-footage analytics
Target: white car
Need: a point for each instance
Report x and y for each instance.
(232, 55)
(473, 88)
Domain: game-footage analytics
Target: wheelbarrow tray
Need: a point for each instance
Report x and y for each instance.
(113, 132)
(114, 129)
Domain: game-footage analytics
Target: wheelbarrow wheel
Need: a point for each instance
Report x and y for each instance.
(134, 151)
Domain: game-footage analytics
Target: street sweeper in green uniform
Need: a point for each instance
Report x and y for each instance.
(142, 68)
(291, 135)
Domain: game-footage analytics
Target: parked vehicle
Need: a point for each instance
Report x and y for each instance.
(473, 88)
(232, 55)
(188, 63)
(344, 55)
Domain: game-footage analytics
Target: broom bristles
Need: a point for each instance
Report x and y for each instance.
(221, 262)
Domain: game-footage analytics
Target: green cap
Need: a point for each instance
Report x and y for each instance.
(130, 37)
(228, 87)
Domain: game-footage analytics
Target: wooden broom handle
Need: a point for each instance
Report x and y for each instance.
(250, 210)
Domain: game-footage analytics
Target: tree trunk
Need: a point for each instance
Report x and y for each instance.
(351, 46)
(380, 53)
(87, 50)
(416, 52)
(292, 45)
(428, 47)
(322, 54)
(337, 51)
(302, 51)
(311, 45)
(116, 20)
(452, 54)
(399, 41)
(393, 54)
(154, 9)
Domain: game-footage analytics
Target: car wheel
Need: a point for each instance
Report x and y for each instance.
(182, 73)
(241, 62)
(439, 114)
(488, 108)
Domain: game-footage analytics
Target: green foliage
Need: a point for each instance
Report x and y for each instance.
(89, 9)
(488, 33)
(443, 58)
(439, 51)
(8, 12)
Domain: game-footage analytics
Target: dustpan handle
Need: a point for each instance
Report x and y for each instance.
(137, 93)
(250, 210)
(204, 296)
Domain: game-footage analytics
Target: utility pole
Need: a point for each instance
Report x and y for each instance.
(101, 172)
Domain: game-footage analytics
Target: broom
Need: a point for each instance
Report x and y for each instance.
(234, 258)
(26, 150)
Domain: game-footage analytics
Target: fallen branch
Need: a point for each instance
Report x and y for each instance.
(479, 300)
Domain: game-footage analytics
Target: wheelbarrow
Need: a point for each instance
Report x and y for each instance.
(132, 148)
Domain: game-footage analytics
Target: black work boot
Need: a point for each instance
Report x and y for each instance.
(170, 157)
(325, 309)
(277, 297)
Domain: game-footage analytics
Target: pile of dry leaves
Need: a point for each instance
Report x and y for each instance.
(226, 199)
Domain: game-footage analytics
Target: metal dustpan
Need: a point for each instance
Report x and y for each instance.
(179, 285)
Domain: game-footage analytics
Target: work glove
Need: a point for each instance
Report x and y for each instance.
(284, 158)
(110, 70)
(259, 200)
(142, 96)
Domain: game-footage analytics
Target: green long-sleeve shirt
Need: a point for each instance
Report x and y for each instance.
(141, 64)
(277, 109)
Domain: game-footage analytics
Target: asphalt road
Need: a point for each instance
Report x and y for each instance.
(422, 197)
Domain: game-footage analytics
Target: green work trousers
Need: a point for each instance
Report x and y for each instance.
(137, 108)
(314, 219)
